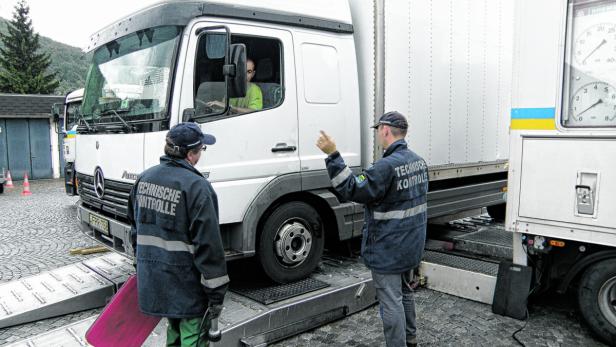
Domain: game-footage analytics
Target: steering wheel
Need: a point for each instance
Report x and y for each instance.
(203, 107)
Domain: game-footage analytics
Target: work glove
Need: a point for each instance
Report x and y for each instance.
(214, 311)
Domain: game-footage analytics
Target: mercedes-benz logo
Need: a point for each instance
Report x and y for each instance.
(99, 182)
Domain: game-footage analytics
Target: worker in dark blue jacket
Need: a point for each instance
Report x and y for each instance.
(394, 192)
(181, 269)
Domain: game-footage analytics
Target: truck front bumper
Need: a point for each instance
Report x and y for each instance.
(111, 233)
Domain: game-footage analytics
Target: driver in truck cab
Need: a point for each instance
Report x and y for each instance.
(181, 269)
(253, 101)
(394, 190)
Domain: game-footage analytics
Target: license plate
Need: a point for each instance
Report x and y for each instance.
(99, 223)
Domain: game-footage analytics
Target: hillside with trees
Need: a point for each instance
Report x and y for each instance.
(69, 63)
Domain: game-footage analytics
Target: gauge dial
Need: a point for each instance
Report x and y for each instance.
(596, 46)
(593, 104)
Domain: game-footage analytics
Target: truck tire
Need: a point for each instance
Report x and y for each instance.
(291, 242)
(497, 212)
(597, 299)
(1, 188)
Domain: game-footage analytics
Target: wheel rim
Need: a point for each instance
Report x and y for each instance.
(293, 242)
(607, 300)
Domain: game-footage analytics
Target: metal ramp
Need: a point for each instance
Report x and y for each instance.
(246, 322)
(65, 290)
(463, 260)
(492, 241)
(73, 335)
(469, 278)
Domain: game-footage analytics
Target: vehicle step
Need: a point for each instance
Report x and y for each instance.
(465, 277)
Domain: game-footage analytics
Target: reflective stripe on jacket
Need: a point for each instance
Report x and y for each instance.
(394, 192)
(181, 265)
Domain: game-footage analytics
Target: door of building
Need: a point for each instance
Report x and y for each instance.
(25, 147)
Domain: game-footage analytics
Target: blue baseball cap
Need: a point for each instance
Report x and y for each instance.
(189, 136)
(393, 119)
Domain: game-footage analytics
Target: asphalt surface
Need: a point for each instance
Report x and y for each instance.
(37, 232)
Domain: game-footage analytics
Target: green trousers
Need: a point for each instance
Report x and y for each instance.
(185, 332)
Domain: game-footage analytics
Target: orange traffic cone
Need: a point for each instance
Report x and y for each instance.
(9, 180)
(26, 190)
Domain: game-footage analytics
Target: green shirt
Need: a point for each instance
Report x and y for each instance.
(253, 99)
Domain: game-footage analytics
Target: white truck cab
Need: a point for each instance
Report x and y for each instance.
(335, 70)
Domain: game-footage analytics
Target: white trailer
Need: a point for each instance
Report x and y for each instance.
(444, 64)
(562, 175)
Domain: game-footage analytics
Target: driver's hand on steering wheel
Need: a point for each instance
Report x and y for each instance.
(216, 103)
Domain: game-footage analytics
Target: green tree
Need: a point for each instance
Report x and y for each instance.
(23, 69)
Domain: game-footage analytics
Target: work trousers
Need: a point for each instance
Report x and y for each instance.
(185, 332)
(397, 308)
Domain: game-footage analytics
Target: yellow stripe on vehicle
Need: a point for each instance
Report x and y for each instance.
(533, 124)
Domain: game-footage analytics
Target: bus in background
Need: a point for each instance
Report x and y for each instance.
(72, 105)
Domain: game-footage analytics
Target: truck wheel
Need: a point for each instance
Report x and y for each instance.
(1, 188)
(497, 212)
(597, 299)
(291, 242)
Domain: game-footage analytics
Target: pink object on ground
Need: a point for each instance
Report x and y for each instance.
(121, 324)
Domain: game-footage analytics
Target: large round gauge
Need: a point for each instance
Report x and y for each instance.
(596, 46)
(593, 104)
(589, 93)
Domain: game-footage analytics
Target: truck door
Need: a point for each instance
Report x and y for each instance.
(328, 100)
(257, 138)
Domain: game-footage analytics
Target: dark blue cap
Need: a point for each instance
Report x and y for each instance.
(189, 136)
(393, 119)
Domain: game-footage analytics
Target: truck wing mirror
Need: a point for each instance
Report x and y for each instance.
(188, 115)
(55, 112)
(235, 71)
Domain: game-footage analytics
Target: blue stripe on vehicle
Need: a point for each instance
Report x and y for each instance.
(533, 113)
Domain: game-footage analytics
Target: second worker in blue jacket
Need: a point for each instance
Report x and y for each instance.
(394, 191)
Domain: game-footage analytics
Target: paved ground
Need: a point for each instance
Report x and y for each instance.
(37, 232)
(445, 320)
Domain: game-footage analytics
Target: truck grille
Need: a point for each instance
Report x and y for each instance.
(114, 202)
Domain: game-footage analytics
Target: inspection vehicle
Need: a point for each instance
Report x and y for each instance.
(448, 68)
(562, 174)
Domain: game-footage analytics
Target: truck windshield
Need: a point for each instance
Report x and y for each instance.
(131, 76)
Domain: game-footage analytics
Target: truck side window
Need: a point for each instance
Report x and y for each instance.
(321, 74)
(264, 73)
(71, 114)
